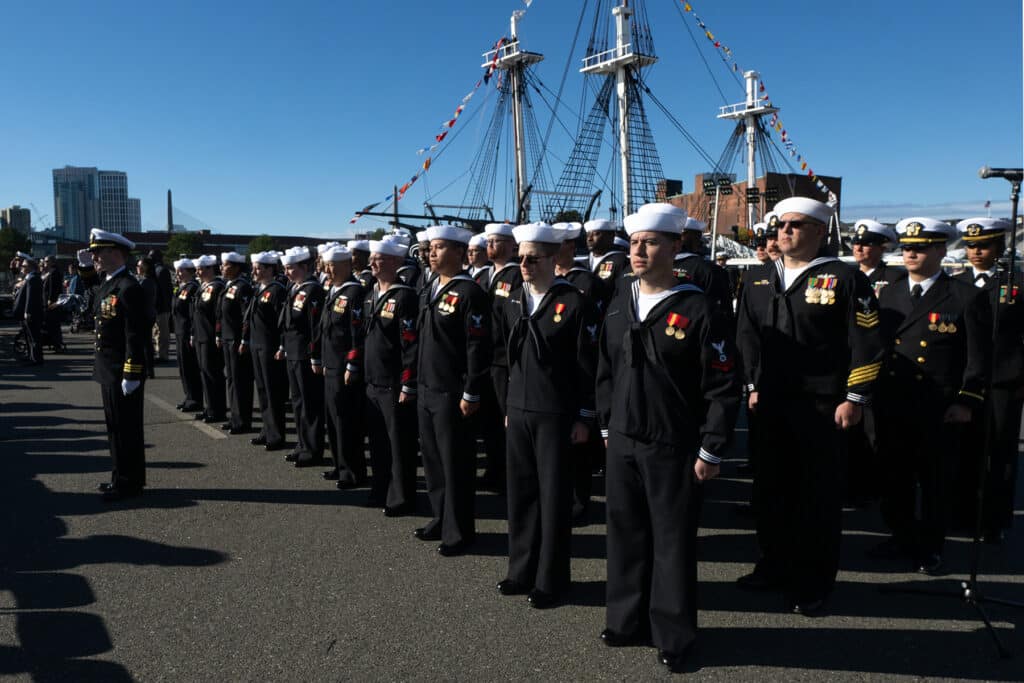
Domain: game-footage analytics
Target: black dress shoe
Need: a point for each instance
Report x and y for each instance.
(399, 510)
(539, 599)
(808, 608)
(675, 662)
(512, 587)
(239, 430)
(104, 486)
(756, 581)
(200, 416)
(274, 446)
(931, 565)
(210, 419)
(452, 549)
(425, 534)
(226, 426)
(346, 485)
(330, 475)
(191, 408)
(291, 457)
(115, 493)
(258, 440)
(615, 639)
(180, 405)
(308, 461)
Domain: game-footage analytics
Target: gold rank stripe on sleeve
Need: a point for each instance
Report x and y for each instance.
(867, 320)
(971, 394)
(865, 373)
(133, 367)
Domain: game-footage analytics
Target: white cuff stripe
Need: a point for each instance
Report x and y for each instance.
(584, 412)
(406, 389)
(857, 398)
(708, 457)
(470, 398)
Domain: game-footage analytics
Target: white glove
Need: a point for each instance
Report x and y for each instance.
(129, 385)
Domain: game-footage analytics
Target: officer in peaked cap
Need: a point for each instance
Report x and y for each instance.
(985, 242)
(808, 333)
(932, 385)
(870, 239)
(761, 242)
(181, 311)
(299, 347)
(388, 362)
(231, 308)
(551, 330)
(261, 339)
(204, 339)
(667, 395)
(121, 336)
(453, 369)
(29, 306)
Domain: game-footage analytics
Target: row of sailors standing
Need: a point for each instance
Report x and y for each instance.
(554, 362)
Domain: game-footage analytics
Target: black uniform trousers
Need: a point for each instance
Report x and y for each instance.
(585, 459)
(539, 499)
(54, 334)
(862, 462)
(919, 449)
(238, 368)
(492, 425)
(188, 372)
(1001, 482)
(798, 493)
(343, 412)
(271, 388)
(653, 501)
(211, 367)
(34, 339)
(391, 427)
(449, 464)
(307, 390)
(124, 418)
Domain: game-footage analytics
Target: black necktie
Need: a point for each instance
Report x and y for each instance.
(915, 293)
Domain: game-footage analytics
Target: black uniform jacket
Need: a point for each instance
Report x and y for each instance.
(938, 348)
(231, 308)
(1008, 371)
(262, 320)
(122, 330)
(366, 278)
(671, 378)
(412, 274)
(552, 352)
(455, 338)
(204, 311)
(482, 275)
(390, 337)
(610, 267)
(181, 308)
(503, 282)
(28, 302)
(300, 319)
(710, 277)
(884, 275)
(819, 336)
(588, 283)
(338, 336)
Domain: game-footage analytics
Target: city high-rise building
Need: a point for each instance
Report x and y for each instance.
(86, 198)
(17, 218)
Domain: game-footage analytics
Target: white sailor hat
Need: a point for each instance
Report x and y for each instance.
(620, 243)
(390, 245)
(84, 258)
(653, 221)
(812, 208)
(231, 257)
(295, 255)
(26, 257)
(499, 229)
(981, 229)
(924, 231)
(570, 230)
(337, 253)
(399, 235)
(358, 245)
(448, 232)
(205, 261)
(184, 264)
(478, 241)
(694, 225)
(101, 238)
(867, 231)
(667, 209)
(599, 225)
(421, 236)
(321, 248)
(267, 258)
(537, 232)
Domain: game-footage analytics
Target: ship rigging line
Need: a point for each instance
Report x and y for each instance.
(679, 126)
(686, 25)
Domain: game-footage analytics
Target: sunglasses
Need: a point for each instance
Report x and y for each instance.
(528, 260)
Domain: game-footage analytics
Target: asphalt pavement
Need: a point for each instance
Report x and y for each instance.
(234, 565)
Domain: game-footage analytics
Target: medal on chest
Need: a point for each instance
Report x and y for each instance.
(265, 296)
(942, 322)
(183, 295)
(232, 291)
(1002, 294)
(339, 304)
(821, 290)
(299, 302)
(389, 309)
(503, 289)
(448, 303)
(108, 307)
(559, 308)
(207, 293)
(675, 325)
(604, 271)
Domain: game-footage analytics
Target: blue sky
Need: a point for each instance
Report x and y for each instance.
(286, 117)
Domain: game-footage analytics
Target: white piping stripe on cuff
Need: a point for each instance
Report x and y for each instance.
(352, 368)
(406, 389)
(857, 398)
(470, 398)
(604, 433)
(587, 413)
(749, 387)
(708, 457)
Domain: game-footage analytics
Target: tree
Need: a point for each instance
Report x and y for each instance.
(183, 243)
(571, 216)
(11, 242)
(261, 243)
(377, 234)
